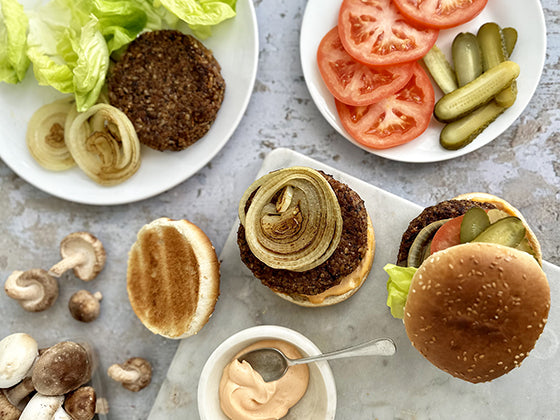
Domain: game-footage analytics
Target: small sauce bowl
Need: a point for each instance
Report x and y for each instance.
(319, 401)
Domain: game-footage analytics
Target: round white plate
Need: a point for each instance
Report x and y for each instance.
(524, 15)
(235, 46)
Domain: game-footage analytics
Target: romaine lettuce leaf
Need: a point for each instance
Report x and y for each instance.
(397, 287)
(13, 42)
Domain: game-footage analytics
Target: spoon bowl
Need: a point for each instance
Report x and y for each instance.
(272, 364)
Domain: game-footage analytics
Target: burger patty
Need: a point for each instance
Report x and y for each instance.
(344, 260)
(444, 210)
(170, 87)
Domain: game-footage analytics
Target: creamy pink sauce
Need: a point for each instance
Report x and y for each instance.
(244, 395)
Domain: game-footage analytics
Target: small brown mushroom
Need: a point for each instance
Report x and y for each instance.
(82, 252)
(8, 411)
(134, 374)
(34, 289)
(81, 403)
(84, 306)
(61, 368)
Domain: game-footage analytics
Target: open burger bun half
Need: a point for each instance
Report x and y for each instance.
(347, 286)
(476, 310)
(503, 205)
(173, 277)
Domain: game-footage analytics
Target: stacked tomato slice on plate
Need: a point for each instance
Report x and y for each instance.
(368, 62)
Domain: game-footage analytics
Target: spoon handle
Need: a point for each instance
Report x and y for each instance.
(376, 347)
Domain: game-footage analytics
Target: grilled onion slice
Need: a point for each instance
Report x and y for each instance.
(104, 144)
(45, 135)
(292, 219)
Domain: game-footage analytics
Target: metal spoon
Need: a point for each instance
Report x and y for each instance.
(272, 364)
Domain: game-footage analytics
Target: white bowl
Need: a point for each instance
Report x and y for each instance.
(319, 401)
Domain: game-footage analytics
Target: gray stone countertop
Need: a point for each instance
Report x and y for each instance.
(522, 166)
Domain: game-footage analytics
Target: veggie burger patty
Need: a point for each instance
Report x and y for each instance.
(344, 260)
(170, 87)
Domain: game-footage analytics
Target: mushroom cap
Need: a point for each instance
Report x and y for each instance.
(84, 306)
(62, 368)
(80, 404)
(34, 289)
(89, 248)
(17, 354)
(134, 374)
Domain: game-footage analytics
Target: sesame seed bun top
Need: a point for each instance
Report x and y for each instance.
(476, 310)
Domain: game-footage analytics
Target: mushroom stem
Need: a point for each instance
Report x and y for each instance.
(117, 373)
(34, 289)
(22, 390)
(134, 374)
(67, 263)
(18, 292)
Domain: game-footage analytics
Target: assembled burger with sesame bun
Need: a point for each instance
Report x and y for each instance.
(469, 286)
(306, 236)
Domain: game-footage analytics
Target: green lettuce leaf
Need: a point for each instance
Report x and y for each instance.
(200, 15)
(91, 67)
(397, 287)
(13, 42)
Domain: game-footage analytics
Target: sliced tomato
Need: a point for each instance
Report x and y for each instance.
(374, 32)
(440, 14)
(352, 82)
(449, 234)
(394, 120)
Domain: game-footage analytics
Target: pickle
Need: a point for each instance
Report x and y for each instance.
(440, 70)
(494, 52)
(492, 46)
(476, 93)
(508, 231)
(474, 222)
(466, 58)
(461, 132)
(510, 39)
(496, 214)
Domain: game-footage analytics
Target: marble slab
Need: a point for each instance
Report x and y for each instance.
(403, 387)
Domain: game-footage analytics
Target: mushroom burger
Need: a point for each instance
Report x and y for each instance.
(306, 236)
(469, 286)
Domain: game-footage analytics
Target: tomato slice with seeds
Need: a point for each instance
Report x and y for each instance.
(374, 32)
(448, 235)
(394, 120)
(352, 82)
(440, 14)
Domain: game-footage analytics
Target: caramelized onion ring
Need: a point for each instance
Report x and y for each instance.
(293, 220)
(45, 135)
(104, 144)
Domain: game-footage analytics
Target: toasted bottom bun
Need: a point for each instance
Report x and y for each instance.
(173, 277)
(509, 209)
(347, 286)
(476, 310)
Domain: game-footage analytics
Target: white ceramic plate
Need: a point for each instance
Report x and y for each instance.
(235, 46)
(524, 15)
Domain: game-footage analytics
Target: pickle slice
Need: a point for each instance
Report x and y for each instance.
(440, 70)
(510, 39)
(475, 221)
(466, 58)
(508, 231)
(496, 214)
